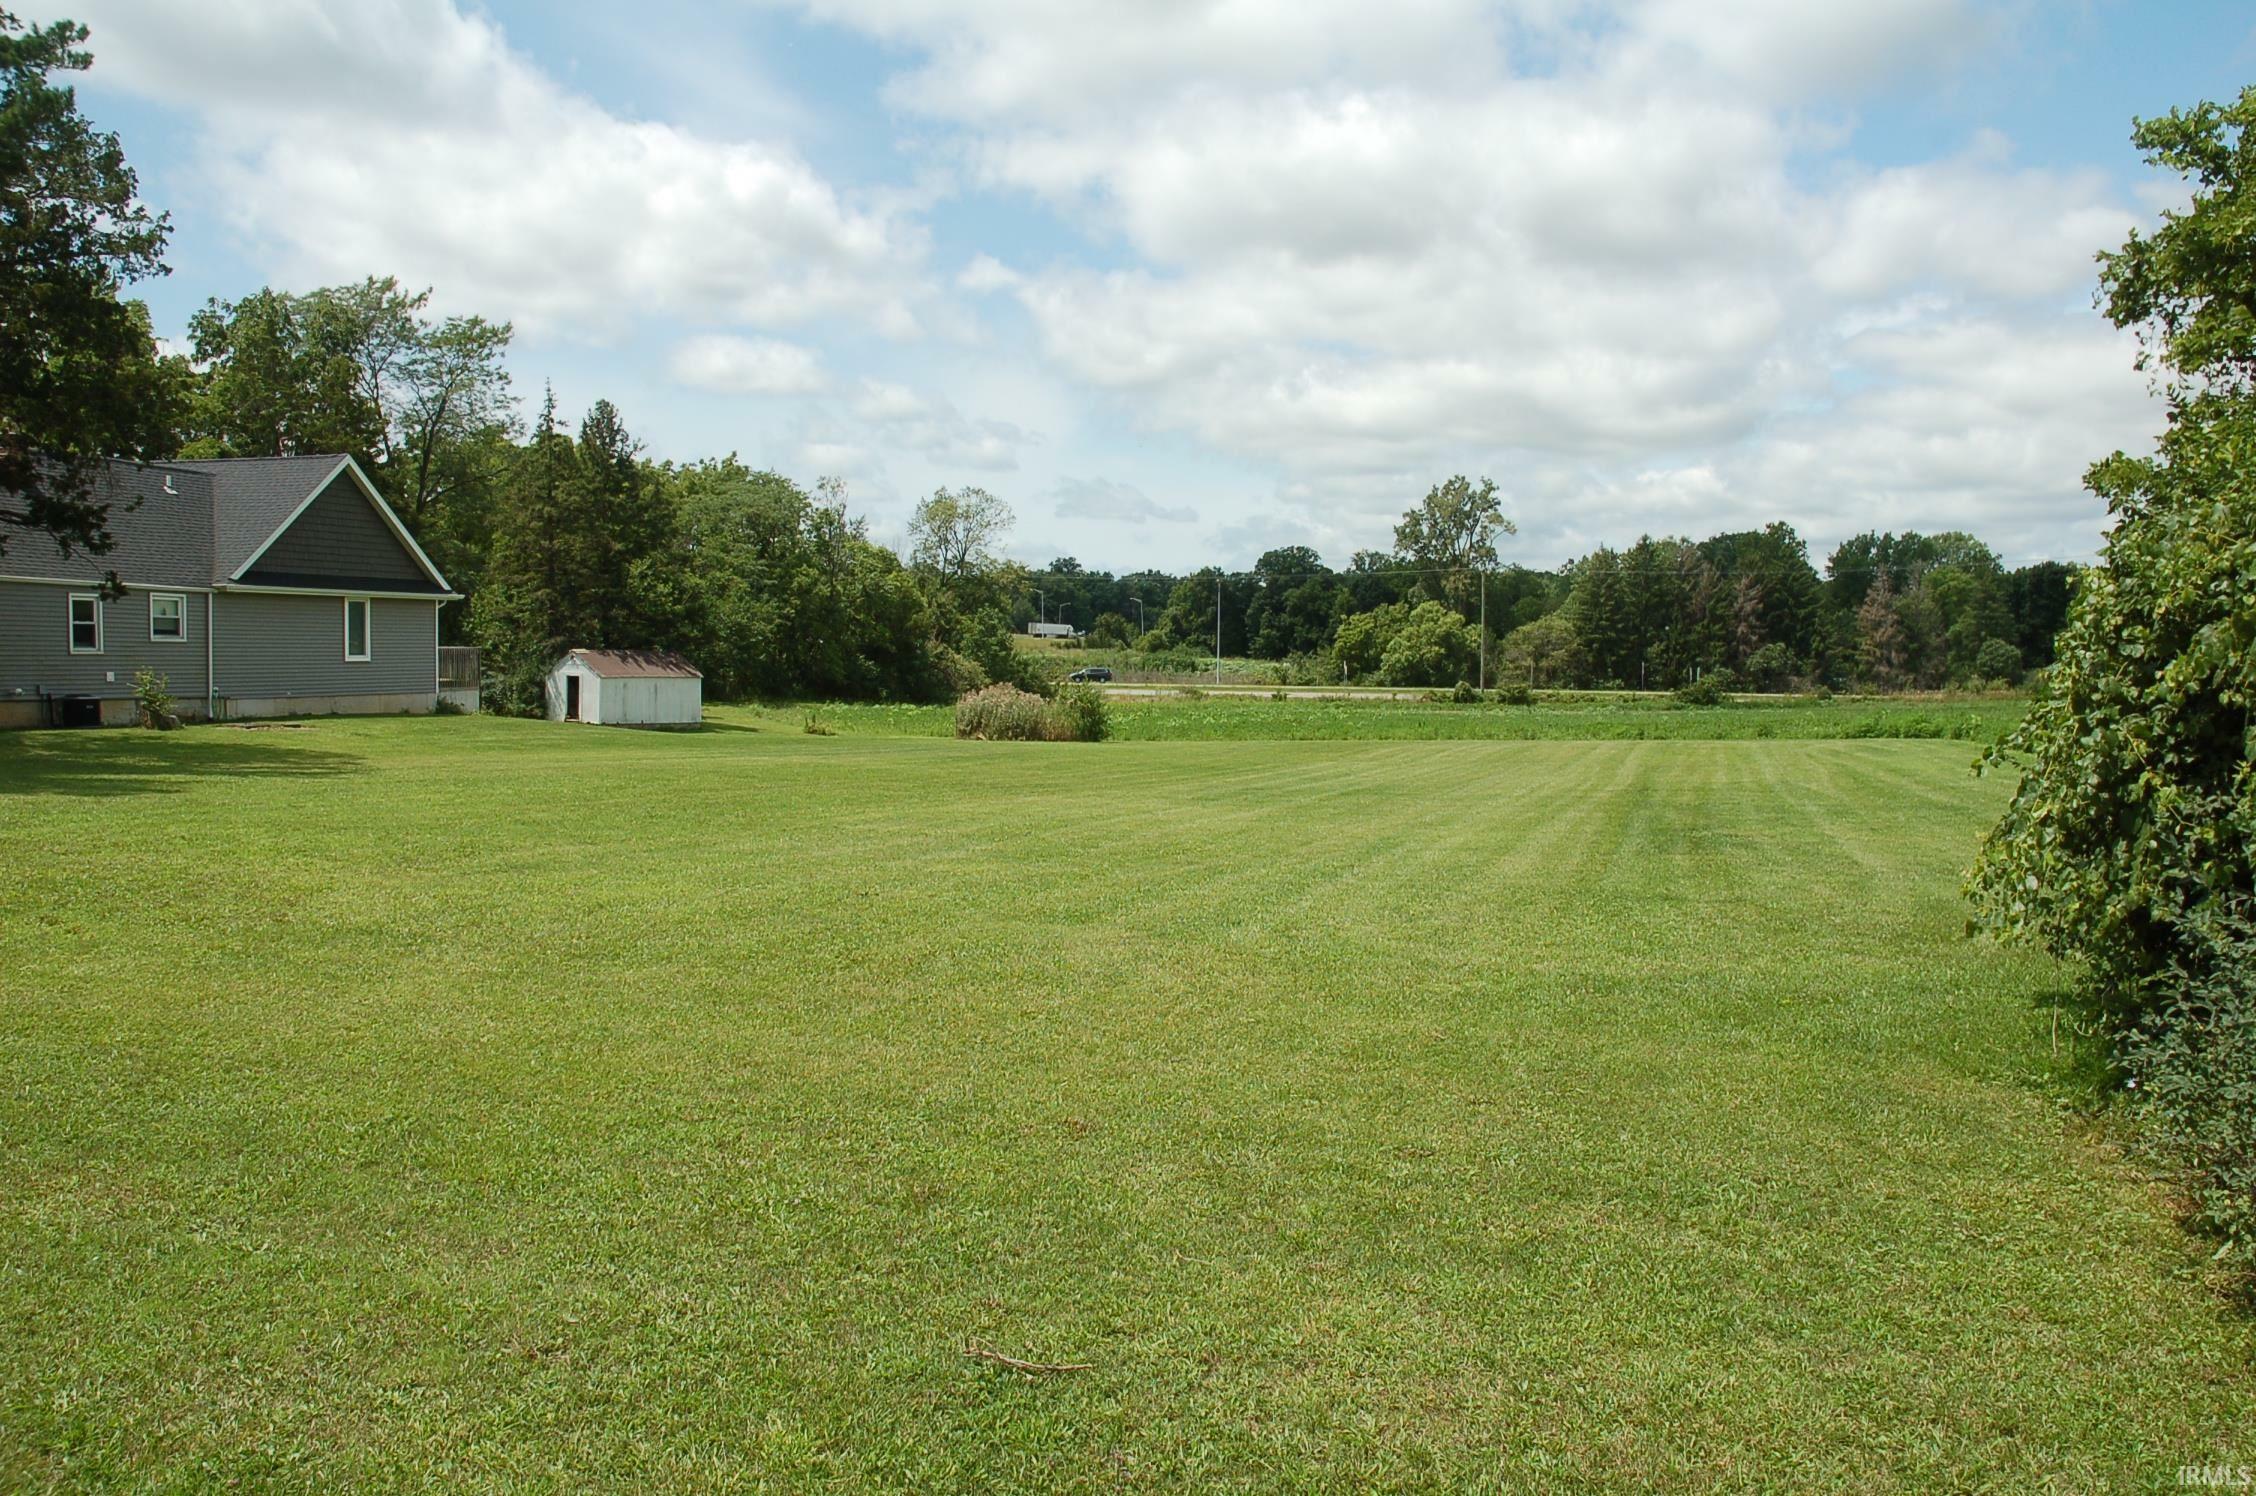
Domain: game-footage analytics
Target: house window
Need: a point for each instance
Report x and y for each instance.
(85, 624)
(168, 617)
(356, 628)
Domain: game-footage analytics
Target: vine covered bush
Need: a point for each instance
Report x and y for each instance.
(2130, 845)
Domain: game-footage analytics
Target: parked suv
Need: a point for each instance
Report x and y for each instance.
(1091, 673)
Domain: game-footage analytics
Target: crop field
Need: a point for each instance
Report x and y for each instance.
(473, 1103)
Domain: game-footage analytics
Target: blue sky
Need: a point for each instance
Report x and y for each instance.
(1183, 281)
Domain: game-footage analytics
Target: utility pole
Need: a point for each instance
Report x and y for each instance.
(1139, 602)
(1484, 630)
(1218, 627)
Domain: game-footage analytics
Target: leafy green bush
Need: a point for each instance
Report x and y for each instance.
(1081, 715)
(959, 675)
(1431, 648)
(2130, 844)
(152, 694)
(1518, 693)
(1464, 693)
(1998, 660)
(1701, 692)
(1771, 667)
(2191, 1073)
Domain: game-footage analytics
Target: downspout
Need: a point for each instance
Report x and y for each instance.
(211, 687)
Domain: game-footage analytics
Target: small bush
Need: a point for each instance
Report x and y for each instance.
(1464, 693)
(1519, 693)
(152, 693)
(1279, 696)
(1702, 692)
(1081, 713)
(1998, 660)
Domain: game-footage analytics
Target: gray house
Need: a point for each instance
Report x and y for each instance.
(258, 586)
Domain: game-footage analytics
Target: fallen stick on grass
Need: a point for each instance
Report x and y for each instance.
(980, 1350)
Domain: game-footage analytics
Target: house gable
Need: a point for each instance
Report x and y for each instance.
(339, 542)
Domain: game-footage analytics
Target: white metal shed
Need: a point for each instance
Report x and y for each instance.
(626, 688)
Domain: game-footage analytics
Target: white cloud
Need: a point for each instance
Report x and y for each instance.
(407, 137)
(1107, 502)
(746, 366)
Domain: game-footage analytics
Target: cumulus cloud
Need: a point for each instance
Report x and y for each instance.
(1103, 500)
(407, 135)
(746, 366)
(931, 426)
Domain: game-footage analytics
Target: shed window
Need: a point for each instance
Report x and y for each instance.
(168, 616)
(85, 624)
(356, 628)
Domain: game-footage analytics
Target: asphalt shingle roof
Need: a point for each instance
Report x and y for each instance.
(192, 523)
(162, 539)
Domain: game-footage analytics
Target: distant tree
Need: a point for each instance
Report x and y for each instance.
(425, 407)
(1361, 642)
(954, 534)
(1111, 631)
(1546, 651)
(1432, 647)
(80, 378)
(540, 596)
(1769, 668)
(1997, 660)
(1884, 649)
(2037, 597)
(1451, 537)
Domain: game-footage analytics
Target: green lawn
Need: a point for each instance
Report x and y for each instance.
(465, 1102)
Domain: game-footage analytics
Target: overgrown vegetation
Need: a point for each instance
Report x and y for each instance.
(1005, 713)
(2131, 842)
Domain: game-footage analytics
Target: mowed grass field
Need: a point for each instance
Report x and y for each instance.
(471, 1103)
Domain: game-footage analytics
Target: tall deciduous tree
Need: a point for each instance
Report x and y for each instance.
(80, 378)
(1451, 535)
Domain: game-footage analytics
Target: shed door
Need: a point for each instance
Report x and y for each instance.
(571, 698)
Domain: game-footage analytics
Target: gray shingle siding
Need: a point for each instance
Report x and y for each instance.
(271, 644)
(35, 651)
(340, 540)
(256, 495)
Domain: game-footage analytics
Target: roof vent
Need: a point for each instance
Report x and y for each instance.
(168, 488)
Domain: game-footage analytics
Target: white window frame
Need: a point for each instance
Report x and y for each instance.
(181, 598)
(367, 631)
(72, 614)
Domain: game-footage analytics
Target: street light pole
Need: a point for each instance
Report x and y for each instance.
(1483, 575)
(1218, 628)
(1040, 616)
(1139, 602)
